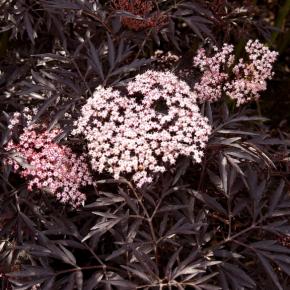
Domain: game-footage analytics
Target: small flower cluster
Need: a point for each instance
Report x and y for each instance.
(139, 8)
(17, 119)
(145, 131)
(241, 82)
(49, 166)
(210, 86)
(250, 78)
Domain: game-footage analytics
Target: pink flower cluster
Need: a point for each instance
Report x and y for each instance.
(250, 77)
(49, 166)
(145, 131)
(210, 86)
(241, 82)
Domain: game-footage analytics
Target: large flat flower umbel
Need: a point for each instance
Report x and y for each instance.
(144, 131)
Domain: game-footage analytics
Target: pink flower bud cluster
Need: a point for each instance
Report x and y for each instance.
(145, 131)
(139, 8)
(242, 82)
(49, 166)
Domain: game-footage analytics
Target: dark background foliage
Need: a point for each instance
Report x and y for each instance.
(221, 225)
